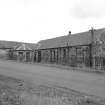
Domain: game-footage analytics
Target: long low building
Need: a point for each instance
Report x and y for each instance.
(85, 49)
(79, 50)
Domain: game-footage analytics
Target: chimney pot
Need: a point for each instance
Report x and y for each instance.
(69, 32)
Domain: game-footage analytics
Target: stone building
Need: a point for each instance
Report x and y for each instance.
(5, 47)
(81, 49)
(4, 53)
(22, 52)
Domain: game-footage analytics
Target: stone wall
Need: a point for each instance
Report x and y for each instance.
(72, 56)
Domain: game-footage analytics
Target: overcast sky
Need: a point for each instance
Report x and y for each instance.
(34, 20)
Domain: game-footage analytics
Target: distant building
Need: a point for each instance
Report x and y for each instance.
(22, 52)
(81, 49)
(4, 49)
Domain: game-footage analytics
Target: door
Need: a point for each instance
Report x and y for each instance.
(39, 56)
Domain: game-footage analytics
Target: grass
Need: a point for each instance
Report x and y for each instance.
(19, 92)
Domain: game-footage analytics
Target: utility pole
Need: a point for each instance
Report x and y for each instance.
(91, 46)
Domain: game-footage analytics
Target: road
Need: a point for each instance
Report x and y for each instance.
(91, 83)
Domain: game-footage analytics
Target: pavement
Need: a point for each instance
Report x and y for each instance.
(90, 83)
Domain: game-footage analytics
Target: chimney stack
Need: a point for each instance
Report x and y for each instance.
(92, 34)
(92, 30)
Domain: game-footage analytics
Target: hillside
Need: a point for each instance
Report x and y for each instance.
(12, 44)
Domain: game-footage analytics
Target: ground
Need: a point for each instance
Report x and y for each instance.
(50, 84)
(19, 92)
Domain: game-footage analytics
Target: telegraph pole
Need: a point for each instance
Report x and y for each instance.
(91, 46)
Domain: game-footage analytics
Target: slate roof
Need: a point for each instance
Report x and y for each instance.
(83, 38)
(22, 47)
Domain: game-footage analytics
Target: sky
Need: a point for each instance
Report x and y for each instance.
(34, 20)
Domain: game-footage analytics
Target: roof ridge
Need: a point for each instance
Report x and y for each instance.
(23, 46)
(82, 38)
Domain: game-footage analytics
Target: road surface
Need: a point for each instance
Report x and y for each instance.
(91, 83)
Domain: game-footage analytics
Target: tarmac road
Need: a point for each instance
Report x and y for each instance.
(91, 83)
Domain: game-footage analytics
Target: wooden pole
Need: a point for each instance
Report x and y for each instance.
(91, 47)
(25, 59)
